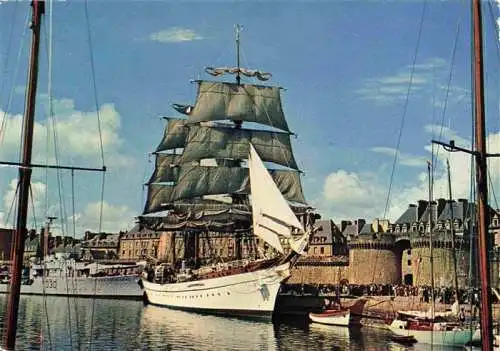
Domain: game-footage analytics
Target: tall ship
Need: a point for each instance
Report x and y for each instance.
(210, 181)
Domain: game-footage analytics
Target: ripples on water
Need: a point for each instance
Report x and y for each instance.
(128, 325)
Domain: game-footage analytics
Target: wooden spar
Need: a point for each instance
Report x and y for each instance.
(452, 231)
(431, 244)
(38, 9)
(481, 180)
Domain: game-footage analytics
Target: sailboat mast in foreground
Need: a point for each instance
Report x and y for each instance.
(24, 178)
(482, 181)
(481, 155)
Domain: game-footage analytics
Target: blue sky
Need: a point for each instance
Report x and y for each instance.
(346, 67)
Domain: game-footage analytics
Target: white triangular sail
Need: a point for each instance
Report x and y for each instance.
(272, 216)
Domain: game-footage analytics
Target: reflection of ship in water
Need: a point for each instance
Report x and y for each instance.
(340, 333)
(184, 330)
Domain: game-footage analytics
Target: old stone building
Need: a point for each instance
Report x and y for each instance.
(327, 241)
(32, 246)
(100, 246)
(205, 246)
(384, 253)
(138, 243)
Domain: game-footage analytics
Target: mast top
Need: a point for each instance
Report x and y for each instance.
(238, 28)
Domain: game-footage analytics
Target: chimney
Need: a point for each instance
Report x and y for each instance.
(376, 225)
(32, 234)
(464, 204)
(440, 207)
(359, 224)
(343, 225)
(42, 241)
(422, 205)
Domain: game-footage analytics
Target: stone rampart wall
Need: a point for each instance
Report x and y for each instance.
(315, 274)
(371, 266)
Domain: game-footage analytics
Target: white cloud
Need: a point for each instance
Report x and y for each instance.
(78, 145)
(114, 217)
(403, 159)
(175, 35)
(349, 195)
(35, 205)
(77, 136)
(363, 195)
(393, 88)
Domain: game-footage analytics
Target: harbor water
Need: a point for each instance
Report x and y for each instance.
(60, 323)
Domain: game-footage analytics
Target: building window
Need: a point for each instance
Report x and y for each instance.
(408, 251)
(409, 262)
(322, 250)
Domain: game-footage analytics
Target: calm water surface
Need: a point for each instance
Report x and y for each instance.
(59, 323)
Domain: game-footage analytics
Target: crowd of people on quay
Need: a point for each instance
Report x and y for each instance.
(445, 295)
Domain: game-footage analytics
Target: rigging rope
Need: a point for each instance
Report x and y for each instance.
(405, 108)
(94, 85)
(9, 47)
(448, 88)
(3, 126)
(52, 119)
(496, 30)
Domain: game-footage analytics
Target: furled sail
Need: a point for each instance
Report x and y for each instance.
(166, 168)
(175, 135)
(235, 70)
(221, 142)
(245, 102)
(195, 181)
(158, 197)
(272, 216)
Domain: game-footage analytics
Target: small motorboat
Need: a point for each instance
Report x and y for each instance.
(338, 316)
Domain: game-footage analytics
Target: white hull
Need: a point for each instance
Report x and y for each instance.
(103, 287)
(244, 294)
(342, 319)
(455, 337)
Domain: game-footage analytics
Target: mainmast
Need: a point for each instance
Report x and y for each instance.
(237, 125)
(239, 27)
(431, 256)
(481, 180)
(38, 9)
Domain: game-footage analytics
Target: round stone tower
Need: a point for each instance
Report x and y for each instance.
(373, 260)
(443, 267)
